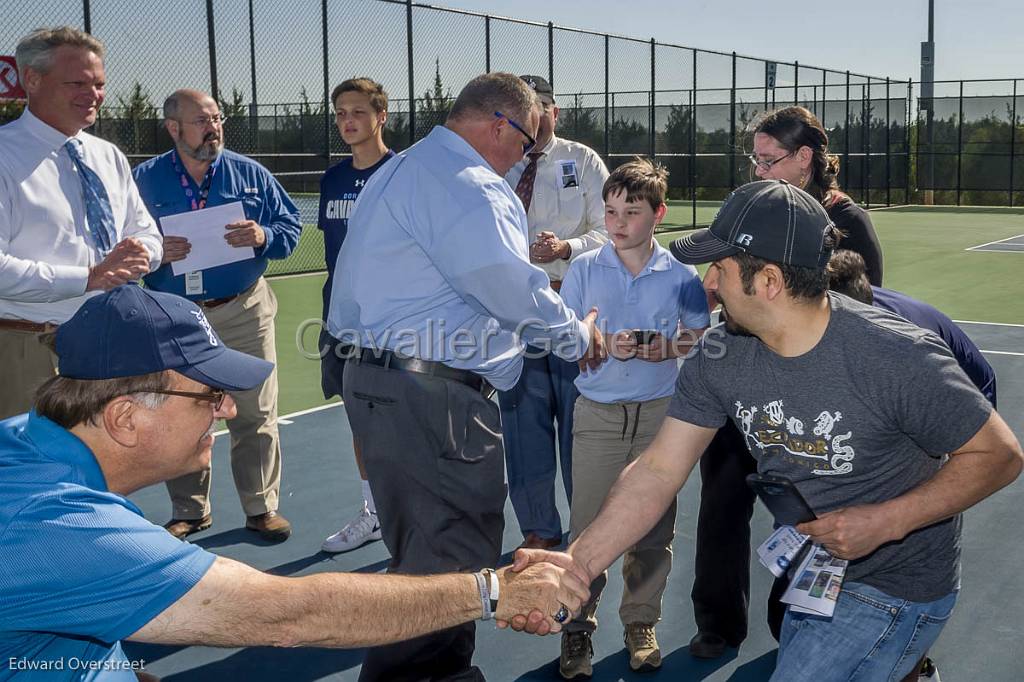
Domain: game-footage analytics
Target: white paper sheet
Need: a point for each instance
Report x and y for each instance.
(204, 229)
(816, 584)
(778, 551)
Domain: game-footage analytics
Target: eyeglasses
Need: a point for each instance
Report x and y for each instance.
(767, 165)
(216, 120)
(527, 146)
(214, 397)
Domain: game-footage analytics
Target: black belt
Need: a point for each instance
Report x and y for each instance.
(391, 360)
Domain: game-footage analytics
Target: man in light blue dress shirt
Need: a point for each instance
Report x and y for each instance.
(435, 287)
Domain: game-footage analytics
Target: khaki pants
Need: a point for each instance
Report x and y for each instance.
(245, 324)
(606, 438)
(25, 363)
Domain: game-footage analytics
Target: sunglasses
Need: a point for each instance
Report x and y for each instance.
(527, 146)
(214, 397)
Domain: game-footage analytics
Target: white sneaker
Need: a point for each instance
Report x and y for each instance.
(356, 533)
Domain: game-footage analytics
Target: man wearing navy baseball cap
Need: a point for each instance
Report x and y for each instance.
(850, 403)
(143, 377)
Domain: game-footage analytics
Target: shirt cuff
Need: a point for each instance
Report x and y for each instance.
(69, 281)
(269, 239)
(575, 247)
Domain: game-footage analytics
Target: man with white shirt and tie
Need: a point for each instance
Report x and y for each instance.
(71, 221)
(559, 183)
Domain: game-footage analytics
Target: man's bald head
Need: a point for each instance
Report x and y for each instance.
(175, 101)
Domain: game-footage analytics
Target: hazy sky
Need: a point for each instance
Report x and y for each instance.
(974, 38)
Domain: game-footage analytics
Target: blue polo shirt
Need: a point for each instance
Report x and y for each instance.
(662, 296)
(236, 178)
(81, 568)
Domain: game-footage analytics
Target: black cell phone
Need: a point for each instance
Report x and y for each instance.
(782, 498)
(643, 337)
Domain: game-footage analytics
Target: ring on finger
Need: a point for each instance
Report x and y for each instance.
(561, 615)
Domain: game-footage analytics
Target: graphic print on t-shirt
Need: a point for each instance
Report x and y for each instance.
(773, 433)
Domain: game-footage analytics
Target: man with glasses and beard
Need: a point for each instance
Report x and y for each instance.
(238, 302)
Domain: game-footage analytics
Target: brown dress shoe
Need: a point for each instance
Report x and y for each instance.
(534, 541)
(271, 526)
(182, 528)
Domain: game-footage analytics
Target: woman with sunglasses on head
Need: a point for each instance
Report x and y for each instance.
(790, 144)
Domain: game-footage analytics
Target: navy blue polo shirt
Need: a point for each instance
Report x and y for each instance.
(967, 355)
(237, 178)
(81, 569)
(339, 188)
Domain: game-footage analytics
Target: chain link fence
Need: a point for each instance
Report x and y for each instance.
(273, 64)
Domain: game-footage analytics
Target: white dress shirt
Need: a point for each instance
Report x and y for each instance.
(574, 213)
(435, 266)
(45, 249)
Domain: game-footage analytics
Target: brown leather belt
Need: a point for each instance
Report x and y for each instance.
(216, 302)
(556, 284)
(26, 326)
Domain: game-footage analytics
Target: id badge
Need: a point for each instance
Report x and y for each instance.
(569, 176)
(194, 283)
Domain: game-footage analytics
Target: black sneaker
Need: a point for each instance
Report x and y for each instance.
(577, 651)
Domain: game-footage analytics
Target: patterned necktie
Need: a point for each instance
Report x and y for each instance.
(524, 189)
(98, 215)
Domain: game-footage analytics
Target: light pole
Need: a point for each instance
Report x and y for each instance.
(926, 101)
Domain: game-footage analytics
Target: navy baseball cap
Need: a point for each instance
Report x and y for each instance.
(770, 219)
(130, 331)
(540, 86)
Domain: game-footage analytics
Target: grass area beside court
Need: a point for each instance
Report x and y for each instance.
(925, 257)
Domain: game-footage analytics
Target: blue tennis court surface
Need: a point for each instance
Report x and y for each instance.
(1008, 244)
(320, 490)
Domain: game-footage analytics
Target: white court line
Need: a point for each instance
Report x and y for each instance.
(1003, 352)
(994, 324)
(284, 418)
(998, 241)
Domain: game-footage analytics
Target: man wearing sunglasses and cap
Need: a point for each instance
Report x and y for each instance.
(868, 415)
(83, 569)
(559, 182)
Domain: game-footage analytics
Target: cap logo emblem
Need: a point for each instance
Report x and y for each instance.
(532, 83)
(205, 324)
(744, 239)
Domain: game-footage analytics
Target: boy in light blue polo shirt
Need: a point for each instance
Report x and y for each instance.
(658, 310)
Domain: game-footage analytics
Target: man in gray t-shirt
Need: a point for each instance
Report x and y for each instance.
(869, 416)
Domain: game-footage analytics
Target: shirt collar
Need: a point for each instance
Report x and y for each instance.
(659, 261)
(52, 137)
(60, 445)
(547, 148)
(446, 137)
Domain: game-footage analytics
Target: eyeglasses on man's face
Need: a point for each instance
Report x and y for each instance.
(530, 143)
(205, 121)
(214, 396)
(766, 164)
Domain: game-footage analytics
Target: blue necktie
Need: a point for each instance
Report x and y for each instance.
(99, 216)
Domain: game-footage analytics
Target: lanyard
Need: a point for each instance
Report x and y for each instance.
(204, 189)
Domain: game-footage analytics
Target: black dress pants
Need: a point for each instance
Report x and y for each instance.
(434, 459)
(721, 584)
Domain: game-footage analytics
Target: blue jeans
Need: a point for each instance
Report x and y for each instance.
(871, 637)
(544, 396)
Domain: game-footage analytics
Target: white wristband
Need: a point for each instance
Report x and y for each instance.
(485, 599)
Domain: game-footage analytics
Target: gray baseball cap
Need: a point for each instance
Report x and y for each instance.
(770, 219)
